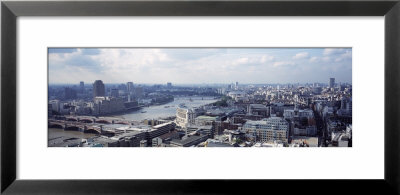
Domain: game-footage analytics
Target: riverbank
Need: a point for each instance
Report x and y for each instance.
(167, 109)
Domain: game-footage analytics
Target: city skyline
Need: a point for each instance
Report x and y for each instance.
(197, 97)
(200, 65)
(191, 84)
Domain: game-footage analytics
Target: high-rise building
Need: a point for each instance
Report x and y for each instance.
(122, 87)
(185, 116)
(169, 85)
(55, 105)
(114, 92)
(99, 89)
(342, 87)
(138, 91)
(81, 86)
(331, 82)
(129, 87)
(277, 91)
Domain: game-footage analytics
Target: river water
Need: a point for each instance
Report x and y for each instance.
(165, 110)
(151, 112)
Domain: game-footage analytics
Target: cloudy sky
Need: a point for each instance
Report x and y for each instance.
(199, 65)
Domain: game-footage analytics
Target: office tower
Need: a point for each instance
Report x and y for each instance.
(82, 86)
(122, 87)
(98, 89)
(277, 91)
(169, 85)
(331, 82)
(114, 92)
(138, 91)
(129, 87)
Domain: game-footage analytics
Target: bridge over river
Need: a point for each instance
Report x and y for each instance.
(85, 124)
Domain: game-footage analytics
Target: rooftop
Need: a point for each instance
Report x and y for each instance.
(218, 144)
(168, 135)
(162, 125)
(203, 117)
(188, 140)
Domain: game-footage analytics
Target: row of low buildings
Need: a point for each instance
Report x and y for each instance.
(136, 136)
(162, 135)
(100, 106)
(259, 122)
(273, 128)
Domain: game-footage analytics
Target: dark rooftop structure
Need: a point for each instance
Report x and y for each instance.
(189, 141)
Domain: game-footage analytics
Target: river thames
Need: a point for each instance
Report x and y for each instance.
(151, 112)
(165, 110)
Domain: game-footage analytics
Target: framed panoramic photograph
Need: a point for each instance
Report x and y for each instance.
(196, 97)
(200, 97)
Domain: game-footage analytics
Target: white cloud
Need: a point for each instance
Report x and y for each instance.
(301, 55)
(344, 56)
(283, 63)
(331, 51)
(314, 59)
(326, 59)
(195, 65)
(266, 58)
(240, 61)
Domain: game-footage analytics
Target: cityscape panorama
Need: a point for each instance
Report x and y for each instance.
(199, 97)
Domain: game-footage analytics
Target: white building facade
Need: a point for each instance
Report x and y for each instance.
(185, 116)
(271, 129)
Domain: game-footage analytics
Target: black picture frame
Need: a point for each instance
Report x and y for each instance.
(11, 10)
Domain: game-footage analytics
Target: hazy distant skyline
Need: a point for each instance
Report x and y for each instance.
(199, 65)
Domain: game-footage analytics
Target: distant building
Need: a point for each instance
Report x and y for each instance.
(331, 82)
(237, 95)
(259, 109)
(114, 92)
(169, 85)
(99, 89)
(129, 87)
(82, 87)
(138, 92)
(205, 120)
(296, 113)
(342, 87)
(55, 105)
(69, 93)
(317, 90)
(107, 105)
